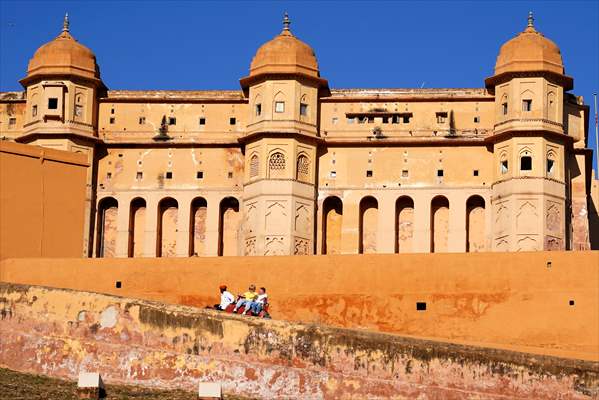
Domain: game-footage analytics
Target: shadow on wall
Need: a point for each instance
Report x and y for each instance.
(593, 224)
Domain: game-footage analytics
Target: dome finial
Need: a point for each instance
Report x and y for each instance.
(286, 22)
(65, 23)
(531, 20)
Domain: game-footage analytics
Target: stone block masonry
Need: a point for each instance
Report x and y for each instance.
(61, 332)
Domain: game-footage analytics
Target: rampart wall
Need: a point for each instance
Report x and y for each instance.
(60, 332)
(540, 302)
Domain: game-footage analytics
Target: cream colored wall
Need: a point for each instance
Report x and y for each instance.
(15, 111)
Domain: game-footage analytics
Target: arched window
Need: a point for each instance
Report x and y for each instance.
(304, 106)
(525, 160)
(303, 168)
(504, 104)
(503, 164)
(254, 166)
(258, 105)
(276, 165)
(551, 161)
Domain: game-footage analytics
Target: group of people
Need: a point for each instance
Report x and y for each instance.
(253, 302)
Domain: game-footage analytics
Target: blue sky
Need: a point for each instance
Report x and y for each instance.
(209, 45)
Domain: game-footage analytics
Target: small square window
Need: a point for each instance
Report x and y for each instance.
(139, 176)
(441, 117)
(112, 110)
(335, 120)
(142, 120)
(526, 163)
(421, 306)
(476, 120)
(202, 121)
(200, 175)
(34, 111)
(258, 109)
(279, 106)
(303, 109)
(52, 103)
(475, 172)
(405, 173)
(172, 121)
(526, 105)
(333, 174)
(232, 121)
(112, 120)
(369, 173)
(12, 122)
(440, 173)
(108, 175)
(230, 175)
(406, 119)
(169, 175)
(571, 302)
(118, 284)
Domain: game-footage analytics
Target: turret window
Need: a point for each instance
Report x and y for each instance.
(78, 110)
(279, 106)
(504, 108)
(202, 121)
(526, 163)
(258, 109)
(526, 105)
(232, 121)
(34, 111)
(172, 121)
(52, 103)
(303, 109)
(504, 167)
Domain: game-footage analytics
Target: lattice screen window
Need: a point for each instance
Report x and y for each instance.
(303, 168)
(276, 164)
(254, 166)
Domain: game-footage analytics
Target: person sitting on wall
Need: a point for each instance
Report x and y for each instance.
(246, 298)
(257, 305)
(226, 298)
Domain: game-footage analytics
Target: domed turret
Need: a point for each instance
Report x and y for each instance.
(529, 51)
(64, 56)
(284, 55)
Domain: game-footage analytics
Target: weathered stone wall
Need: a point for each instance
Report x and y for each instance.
(539, 302)
(61, 332)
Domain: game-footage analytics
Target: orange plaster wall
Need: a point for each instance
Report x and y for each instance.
(505, 300)
(42, 201)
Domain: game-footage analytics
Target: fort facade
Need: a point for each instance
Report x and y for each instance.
(289, 166)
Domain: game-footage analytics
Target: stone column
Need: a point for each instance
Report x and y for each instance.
(422, 223)
(386, 224)
(183, 224)
(457, 223)
(350, 227)
(212, 223)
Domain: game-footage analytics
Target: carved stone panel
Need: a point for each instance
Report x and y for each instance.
(301, 246)
(527, 243)
(276, 222)
(275, 246)
(527, 217)
(303, 219)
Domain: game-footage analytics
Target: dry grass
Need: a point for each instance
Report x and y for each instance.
(21, 386)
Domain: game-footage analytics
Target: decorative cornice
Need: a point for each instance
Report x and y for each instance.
(528, 178)
(563, 80)
(543, 120)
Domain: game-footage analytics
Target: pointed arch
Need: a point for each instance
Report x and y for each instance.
(332, 221)
(475, 224)
(439, 224)
(368, 225)
(137, 227)
(197, 227)
(404, 224)
(254, 165)
(302, 171)
(228, 226)
(106, 233)
(166, 232)
(277, 164)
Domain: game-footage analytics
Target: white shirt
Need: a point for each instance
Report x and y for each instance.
(226, 298)
(262, 298)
